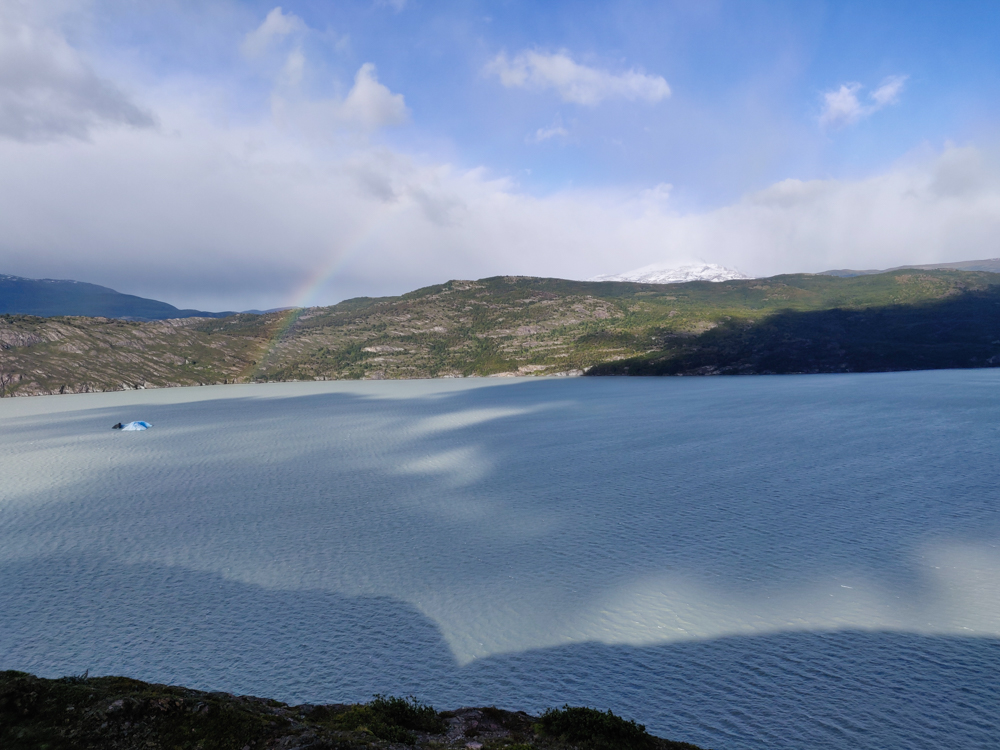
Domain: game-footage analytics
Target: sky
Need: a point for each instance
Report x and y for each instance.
(233, 155)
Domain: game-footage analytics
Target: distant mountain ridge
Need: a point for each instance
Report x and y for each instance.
(663, 273)
(992, 265)
(48, 298)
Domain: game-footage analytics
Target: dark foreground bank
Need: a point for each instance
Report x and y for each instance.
(118, 713)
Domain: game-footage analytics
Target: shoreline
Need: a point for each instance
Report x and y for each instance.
(501, 377)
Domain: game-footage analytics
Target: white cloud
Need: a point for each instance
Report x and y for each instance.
(574, 82)
(47, 89)
(889, 91)
(369, 105)
(842, 106)
(555, 130)
(276, 25)
(295, 65)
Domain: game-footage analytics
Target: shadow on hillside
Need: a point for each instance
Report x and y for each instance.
(62, 615)
(958, 331)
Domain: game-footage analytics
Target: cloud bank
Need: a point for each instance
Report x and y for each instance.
(574, 82)
(201, 220)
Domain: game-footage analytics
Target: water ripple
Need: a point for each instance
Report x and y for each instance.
(781, 562)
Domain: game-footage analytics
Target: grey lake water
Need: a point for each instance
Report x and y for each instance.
(758, 562)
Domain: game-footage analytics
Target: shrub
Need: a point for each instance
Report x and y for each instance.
(591, 729)
(392, 719)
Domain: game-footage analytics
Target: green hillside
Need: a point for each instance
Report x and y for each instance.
(907, 319)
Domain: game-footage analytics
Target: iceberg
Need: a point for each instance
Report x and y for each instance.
(132, 426)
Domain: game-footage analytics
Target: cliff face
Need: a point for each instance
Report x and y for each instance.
(116, 713)
(526, 326)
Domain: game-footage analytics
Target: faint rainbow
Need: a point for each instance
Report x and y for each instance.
(307, 292)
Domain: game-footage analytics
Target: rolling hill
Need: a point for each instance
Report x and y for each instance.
(991, 265)
(503, 326)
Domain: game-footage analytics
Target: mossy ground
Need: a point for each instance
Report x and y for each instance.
(117, 713)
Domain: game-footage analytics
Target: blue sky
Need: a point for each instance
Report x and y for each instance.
(747, 81)
(248, 154)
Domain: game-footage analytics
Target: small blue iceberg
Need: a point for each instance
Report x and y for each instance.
(132, 426)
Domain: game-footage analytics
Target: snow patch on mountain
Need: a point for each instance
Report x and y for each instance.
(661, 273)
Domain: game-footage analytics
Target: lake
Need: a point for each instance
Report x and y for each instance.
(756, 562)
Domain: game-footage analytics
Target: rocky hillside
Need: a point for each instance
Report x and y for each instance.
(528, 326)
(116, 713)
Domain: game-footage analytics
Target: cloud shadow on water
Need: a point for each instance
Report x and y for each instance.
(652, 475)
(849, 689)
(141, 554)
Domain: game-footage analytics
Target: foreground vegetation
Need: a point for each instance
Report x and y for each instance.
(902, 320)
(117, 713)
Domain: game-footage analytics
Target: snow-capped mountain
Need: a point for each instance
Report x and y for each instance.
(661, 273)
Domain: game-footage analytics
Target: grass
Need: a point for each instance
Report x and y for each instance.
(386, 717)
